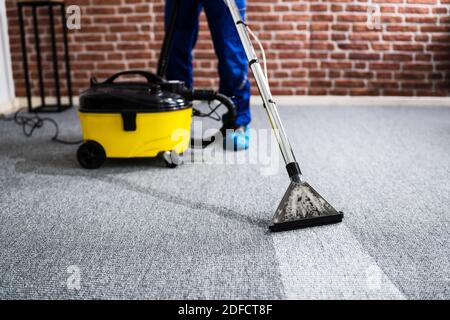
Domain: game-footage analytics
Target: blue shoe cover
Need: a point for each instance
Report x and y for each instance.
(238, 139)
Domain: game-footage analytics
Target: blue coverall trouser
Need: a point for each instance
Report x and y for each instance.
(233, 64)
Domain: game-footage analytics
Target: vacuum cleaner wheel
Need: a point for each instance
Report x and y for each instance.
(91, 155)
(172, 159)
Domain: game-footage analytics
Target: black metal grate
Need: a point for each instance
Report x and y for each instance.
(51, 5)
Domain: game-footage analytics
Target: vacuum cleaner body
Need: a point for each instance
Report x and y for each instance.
(141, 119)
(154, 133)
(132, 120)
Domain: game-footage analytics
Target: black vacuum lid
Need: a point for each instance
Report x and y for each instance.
(111, 96)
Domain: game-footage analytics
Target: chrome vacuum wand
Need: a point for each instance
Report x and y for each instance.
(301, 205)
(266, 95)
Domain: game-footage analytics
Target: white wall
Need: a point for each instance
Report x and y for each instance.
(6, 81)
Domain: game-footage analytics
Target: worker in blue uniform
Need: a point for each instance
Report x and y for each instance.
(233, 64)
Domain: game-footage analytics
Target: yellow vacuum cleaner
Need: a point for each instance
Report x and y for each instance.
(135, 119)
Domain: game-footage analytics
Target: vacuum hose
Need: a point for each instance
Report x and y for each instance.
(211, 95)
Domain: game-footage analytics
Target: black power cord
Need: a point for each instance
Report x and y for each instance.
(31, 123)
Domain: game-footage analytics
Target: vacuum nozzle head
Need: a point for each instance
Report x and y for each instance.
(303, 207)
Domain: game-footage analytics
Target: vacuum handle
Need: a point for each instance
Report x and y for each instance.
(151, 78)
(266, 95)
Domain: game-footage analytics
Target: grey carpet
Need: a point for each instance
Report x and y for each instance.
(138, 230)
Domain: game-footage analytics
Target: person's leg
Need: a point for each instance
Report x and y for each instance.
(184, 39)
(233, 64)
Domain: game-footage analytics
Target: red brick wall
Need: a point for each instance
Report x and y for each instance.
(314, 47)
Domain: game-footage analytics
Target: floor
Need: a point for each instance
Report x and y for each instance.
(135, 229)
